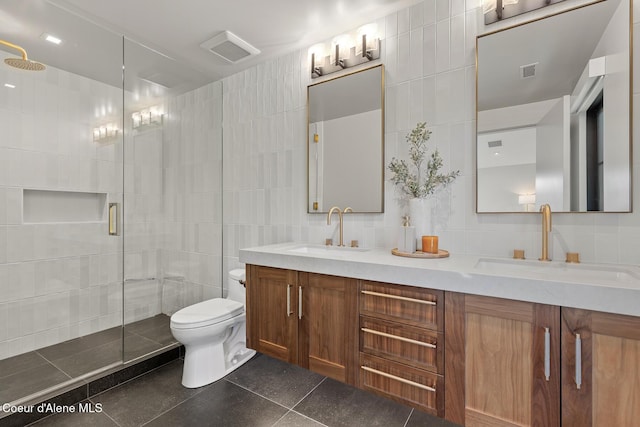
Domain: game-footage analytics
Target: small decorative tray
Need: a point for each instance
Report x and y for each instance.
(418, 254)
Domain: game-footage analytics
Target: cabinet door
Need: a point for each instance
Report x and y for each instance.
(604, 388)
(511, 363)
(272, 312)
(328, 342)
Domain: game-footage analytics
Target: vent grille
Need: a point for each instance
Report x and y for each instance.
(230, 47)
(528, 70)
(494, 144)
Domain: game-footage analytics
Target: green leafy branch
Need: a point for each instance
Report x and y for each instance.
(410, 180)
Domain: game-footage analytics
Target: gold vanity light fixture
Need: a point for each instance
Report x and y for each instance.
(105, 132)
(527, 200)
(347, 50)
(151, 116)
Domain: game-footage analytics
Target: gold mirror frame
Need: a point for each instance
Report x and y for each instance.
(353, 173)
(630, 115)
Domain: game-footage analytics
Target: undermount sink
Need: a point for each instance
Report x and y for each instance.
(324, 250)
(583, 271)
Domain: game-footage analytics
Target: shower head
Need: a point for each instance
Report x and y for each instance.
(23, 63)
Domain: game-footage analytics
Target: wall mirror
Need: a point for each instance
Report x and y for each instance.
(345, 142)
(553, 113)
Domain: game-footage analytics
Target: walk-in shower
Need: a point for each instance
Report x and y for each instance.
(109, 132)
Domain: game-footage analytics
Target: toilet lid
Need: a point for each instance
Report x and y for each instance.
(206, 313)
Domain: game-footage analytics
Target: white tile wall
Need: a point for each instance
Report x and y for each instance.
(429, 57)
(191, 255)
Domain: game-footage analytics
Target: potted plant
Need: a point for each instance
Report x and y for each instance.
(420, 178)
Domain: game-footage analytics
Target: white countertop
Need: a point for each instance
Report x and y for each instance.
(603, 287)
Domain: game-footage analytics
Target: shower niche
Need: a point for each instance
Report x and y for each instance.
(45, 206)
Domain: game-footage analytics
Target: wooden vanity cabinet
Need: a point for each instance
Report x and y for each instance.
(601, 374)
(304, 318)
(272, 324)
(402, 344)
(503, 362)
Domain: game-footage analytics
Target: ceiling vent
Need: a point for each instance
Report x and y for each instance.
(527, 71)
(230, 47)
(494, 144)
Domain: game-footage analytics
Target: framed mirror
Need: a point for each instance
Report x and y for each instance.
(345, 142)
(553, 113)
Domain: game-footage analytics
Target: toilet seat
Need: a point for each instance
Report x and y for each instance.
(206, 313)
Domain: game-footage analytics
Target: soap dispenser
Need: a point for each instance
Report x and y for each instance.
(407, 239)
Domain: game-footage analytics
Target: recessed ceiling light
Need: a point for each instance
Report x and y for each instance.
(51, 38)
(9, 85)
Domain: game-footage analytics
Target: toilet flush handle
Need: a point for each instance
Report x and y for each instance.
(243, 283)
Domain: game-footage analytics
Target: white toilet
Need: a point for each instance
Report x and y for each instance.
(213, 333)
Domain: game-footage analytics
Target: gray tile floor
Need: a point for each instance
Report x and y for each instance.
(37, 370)
(263, 392)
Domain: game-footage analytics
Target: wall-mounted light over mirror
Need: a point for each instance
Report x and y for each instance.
(553, 113)
(496, 10)
(347, 50)
(345, 142)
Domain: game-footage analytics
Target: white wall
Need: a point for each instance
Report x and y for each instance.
(616, 126)
(429, 56)
(550, 159)
(191, 256)
(142, 222)
(501, 186)
(352, 145)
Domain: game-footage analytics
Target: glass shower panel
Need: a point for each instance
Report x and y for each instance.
(173, 188)
(61, 167)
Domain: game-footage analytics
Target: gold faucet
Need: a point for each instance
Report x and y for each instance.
(545, 210)
(337, 209)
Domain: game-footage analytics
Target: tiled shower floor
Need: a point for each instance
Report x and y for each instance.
(37, 370)
(263, 392)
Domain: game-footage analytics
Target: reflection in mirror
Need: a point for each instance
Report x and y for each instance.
(553, 113)
(346, 142)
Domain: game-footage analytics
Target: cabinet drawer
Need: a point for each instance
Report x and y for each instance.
(415, 387)
(421, 348)
(406, 304)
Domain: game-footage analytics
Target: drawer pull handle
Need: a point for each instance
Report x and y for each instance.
(379, 294)
(399, 338)
(578, 361)
(547, 354)
(299, 302)
(402, 380)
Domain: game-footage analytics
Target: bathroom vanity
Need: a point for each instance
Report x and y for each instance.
(478, 341)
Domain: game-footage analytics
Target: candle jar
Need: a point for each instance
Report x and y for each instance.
(430, 244)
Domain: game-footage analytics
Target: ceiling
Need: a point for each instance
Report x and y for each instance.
(172, 31)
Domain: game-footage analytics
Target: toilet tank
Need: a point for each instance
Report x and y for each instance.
(236, 291)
